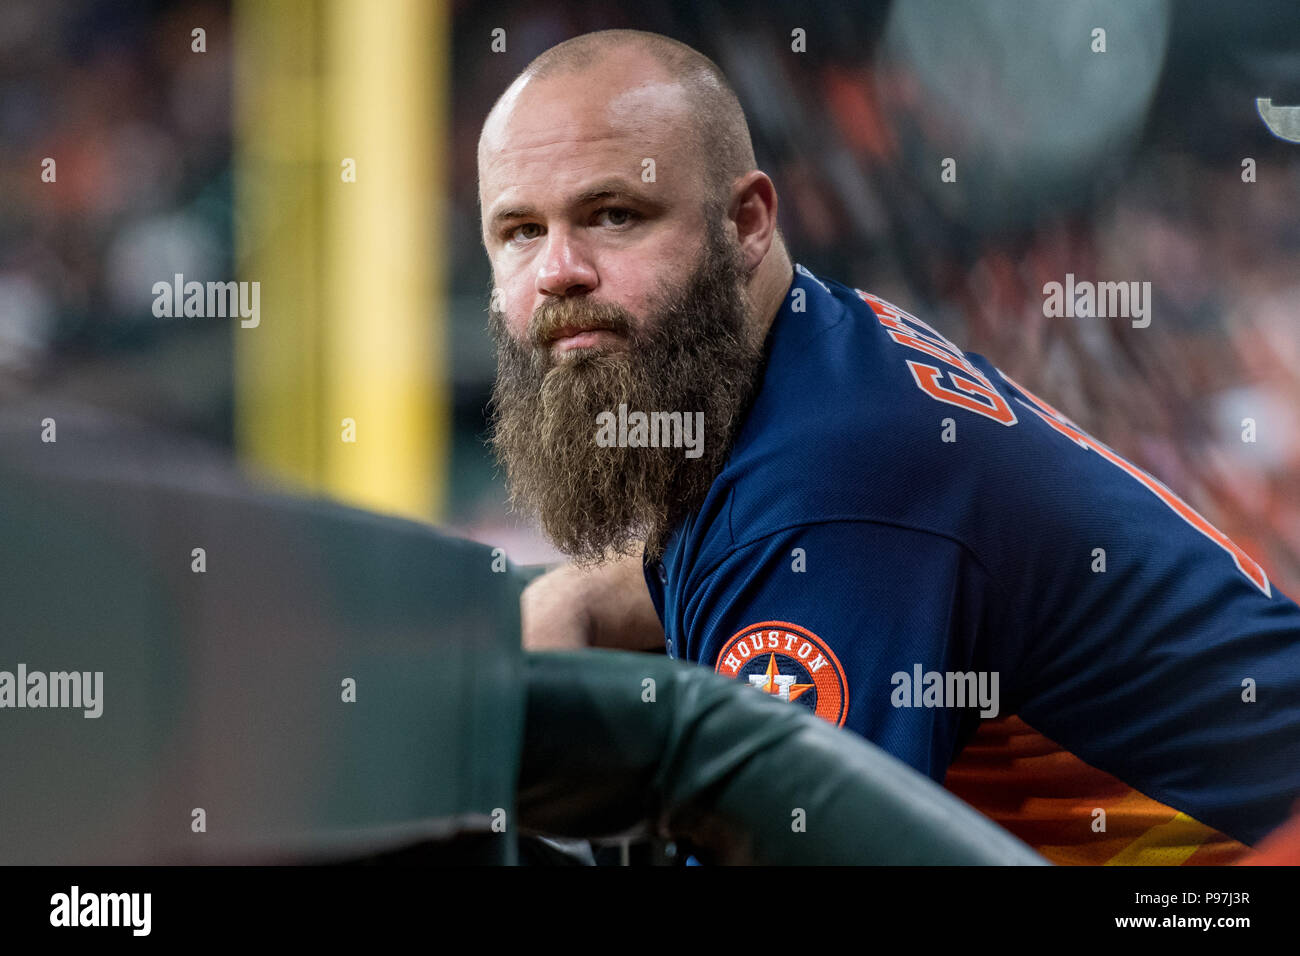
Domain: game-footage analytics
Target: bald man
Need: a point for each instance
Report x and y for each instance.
(814, 492)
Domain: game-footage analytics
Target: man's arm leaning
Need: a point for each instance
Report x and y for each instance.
(608, 606)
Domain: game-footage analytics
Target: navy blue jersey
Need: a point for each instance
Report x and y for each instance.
(906, 542)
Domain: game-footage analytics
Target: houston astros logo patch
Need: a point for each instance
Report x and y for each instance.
(789, 662)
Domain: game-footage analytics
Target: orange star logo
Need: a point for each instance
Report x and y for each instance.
(770, 684)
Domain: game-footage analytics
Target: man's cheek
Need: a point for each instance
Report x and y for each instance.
(505, 300)
(508, 328)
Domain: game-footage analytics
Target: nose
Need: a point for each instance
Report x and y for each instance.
(566, 268)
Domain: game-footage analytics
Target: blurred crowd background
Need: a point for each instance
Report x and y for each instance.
(1124, 165)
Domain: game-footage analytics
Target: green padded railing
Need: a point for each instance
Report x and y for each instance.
(227, 735)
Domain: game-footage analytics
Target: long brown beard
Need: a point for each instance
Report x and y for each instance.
(693, 354)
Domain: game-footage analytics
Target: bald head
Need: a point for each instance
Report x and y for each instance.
(709, 121)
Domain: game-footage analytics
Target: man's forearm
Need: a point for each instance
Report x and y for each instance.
(624, 615)
(608, 606)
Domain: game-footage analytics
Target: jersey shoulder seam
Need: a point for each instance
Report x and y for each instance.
(853, 519)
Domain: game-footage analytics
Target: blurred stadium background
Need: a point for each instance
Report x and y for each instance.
(225, 165)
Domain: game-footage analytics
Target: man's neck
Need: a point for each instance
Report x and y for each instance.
(768, 291)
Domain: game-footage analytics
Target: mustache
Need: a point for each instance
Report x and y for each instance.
(557, 315)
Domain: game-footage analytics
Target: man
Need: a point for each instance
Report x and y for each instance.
(875, 525)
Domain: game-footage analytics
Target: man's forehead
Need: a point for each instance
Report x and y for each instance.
(544, 121)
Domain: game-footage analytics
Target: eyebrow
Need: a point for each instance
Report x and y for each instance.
(605, 189)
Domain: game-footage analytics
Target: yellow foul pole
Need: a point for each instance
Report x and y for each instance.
(341, 120)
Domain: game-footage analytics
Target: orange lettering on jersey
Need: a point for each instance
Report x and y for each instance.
(905, 336)
(973, 391)
(923, 329)
(994, 406)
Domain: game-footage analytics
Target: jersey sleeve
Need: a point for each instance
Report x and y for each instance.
(857, 621)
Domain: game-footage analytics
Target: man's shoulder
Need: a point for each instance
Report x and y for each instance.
(865, 413)
(844, 363)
